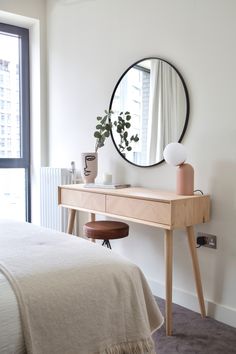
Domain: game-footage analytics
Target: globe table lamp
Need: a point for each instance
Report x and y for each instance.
(175, 154)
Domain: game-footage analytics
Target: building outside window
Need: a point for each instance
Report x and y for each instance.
(14, 123)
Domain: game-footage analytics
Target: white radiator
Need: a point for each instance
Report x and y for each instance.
(51, 215)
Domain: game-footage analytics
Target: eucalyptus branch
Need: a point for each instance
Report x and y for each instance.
(103, 129)
(122, 124)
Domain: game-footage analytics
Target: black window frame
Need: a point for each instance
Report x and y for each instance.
(24, 160)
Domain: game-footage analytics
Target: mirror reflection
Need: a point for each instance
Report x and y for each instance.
(154, 93)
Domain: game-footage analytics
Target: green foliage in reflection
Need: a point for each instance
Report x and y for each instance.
(122, 124)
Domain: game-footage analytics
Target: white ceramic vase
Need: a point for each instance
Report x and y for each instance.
(89, 166)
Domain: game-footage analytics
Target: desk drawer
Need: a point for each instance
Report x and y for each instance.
(147, 210)
(83, 200)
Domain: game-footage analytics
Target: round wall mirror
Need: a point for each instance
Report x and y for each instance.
(151, 109)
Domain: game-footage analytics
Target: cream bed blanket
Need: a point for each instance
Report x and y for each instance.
(76, 297)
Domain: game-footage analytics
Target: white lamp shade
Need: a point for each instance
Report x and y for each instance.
(175, 154)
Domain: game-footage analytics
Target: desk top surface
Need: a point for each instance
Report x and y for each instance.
(134, 192)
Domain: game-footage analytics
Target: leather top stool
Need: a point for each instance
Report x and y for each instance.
(106, 230)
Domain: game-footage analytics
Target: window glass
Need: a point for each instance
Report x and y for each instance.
(14, 123)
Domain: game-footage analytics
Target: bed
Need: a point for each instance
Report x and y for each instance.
(65, 295)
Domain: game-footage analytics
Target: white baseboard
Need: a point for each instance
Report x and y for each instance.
(219, 312)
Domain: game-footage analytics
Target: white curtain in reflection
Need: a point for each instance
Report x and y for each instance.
(166, 108)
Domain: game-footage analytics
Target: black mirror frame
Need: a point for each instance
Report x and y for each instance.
(187, 106)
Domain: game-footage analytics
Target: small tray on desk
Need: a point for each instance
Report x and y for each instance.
(106, 186)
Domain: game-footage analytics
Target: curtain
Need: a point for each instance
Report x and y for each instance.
(166, 109)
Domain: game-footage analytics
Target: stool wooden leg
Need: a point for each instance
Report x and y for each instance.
(92, 218)
(169, 266)
(71, 221)
(196, 269)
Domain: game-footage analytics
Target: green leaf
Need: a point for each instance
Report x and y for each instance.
(128, 125)
(125, 134)
(129, 148)
(97, 135)
(128, 117)
(103, 121)
(127, 112)
(99, 118)
(99, 126)
(107, 134)
(121, 113)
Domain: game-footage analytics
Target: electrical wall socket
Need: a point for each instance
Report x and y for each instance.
(210, 240)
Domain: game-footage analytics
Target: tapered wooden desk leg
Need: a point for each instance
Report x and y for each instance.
(196, 269)
(169, 267)
(71, 221)
(92, 218)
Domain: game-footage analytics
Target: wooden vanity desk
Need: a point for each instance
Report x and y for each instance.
(150, 207)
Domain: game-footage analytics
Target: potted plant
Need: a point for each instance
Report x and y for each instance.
(89, 160)
(102, 132)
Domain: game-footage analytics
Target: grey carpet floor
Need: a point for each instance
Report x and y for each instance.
(194, 335)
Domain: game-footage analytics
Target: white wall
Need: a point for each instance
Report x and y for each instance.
(89, 46)
(32, 15)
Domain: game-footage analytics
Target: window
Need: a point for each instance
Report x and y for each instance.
(14, 127)
(132, 95)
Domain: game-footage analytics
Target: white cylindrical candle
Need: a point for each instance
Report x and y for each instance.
(107, 178)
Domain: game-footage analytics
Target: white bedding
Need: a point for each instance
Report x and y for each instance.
(11, 338)
(59, 279)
